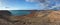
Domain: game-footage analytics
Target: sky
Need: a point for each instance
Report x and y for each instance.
(28, 4)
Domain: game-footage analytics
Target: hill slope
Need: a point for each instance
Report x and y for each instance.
(49, 17)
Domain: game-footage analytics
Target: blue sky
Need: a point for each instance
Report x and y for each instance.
(18, 5)
(23, 5)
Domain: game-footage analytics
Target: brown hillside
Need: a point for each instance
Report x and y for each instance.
(39, 18)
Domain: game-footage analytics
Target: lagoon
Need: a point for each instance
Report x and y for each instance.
(19, 12)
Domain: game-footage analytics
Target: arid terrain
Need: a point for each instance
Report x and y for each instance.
(42, 17)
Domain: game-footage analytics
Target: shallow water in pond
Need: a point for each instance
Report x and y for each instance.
(19, 12)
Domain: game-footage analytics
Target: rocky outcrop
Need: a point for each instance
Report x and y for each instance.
(4, 14)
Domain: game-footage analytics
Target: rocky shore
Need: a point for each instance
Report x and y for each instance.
(48, 17)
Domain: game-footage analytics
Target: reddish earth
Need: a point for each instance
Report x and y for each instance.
(32, 14)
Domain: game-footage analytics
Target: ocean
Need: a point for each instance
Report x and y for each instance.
(19, 12)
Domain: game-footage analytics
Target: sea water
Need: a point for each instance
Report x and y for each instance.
(19, 12)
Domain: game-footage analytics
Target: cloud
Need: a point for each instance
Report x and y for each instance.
(30, 0)
(43, 4)
(42, 1)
